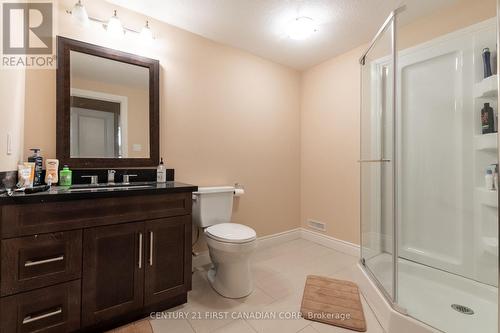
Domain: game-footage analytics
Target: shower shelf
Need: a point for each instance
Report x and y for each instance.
(490, 245)
(486, 142)
(487, 197)
(487, 88)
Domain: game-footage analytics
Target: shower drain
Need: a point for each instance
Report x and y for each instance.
(462, 309)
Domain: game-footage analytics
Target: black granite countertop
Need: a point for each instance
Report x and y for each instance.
(76, 192)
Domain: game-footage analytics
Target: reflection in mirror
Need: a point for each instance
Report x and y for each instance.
(109, 108)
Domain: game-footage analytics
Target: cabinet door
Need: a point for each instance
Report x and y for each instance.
(113, 274)
(168, 253)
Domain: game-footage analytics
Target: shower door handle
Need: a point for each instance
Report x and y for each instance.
(382, 160)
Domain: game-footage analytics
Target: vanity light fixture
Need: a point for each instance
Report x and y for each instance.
(146, 32)
(80, 13)
(301, 28)
(114, 26)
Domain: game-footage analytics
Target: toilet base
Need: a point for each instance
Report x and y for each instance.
(227, 285)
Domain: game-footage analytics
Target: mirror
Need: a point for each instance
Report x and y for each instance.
(108, 108)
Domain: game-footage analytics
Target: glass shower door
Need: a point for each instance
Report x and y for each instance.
(377, 160)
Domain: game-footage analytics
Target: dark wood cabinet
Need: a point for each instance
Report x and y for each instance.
(93, 264)
(113, 276)
(51, 309)
(35, 218)
(166, 274)
(41, 260)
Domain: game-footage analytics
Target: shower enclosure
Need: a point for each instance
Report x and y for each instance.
(429, 217)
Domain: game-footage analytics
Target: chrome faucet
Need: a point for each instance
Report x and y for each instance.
(126, 178)
(111, 176)
(94, 180)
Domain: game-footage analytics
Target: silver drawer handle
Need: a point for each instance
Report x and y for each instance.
(374, 161)
(30, 263)
(151, 248)
(140, 250)
(30, 319)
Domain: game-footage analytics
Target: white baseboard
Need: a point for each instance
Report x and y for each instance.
(331, 242)
(203, 258)
(279, 238)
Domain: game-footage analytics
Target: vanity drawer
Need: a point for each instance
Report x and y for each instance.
(39, 261)
(51, 309)
(34, 218)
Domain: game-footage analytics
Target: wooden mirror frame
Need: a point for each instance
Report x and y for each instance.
(63, 96)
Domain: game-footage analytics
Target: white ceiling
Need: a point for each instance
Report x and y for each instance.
(257, 25)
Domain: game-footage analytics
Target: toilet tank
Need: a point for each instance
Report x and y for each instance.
(212, 205)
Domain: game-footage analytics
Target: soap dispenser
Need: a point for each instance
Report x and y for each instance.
(161, 172)
(38, 160)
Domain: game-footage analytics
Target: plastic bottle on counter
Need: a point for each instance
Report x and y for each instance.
(161, 173)
(65, 176)
(38, 160)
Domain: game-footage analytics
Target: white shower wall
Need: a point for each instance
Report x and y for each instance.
(443, 217)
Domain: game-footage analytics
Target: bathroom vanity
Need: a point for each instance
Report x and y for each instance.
(91, 260)
(117, 245)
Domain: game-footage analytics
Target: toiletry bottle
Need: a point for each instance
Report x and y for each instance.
(48, 180)
(38, 160)
(52, 170)
(31, 179)
(488, 178)
(161, 172)
(24, 175)
(487, 119)
(487, 62)
(65, 176)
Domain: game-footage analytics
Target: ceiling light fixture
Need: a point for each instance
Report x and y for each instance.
(80, 13)
(146, 32)
(301, 28)
(114, 26)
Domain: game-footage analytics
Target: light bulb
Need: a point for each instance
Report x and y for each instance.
(114, 26)
(146, 33)
(80, 13)
(301, 27)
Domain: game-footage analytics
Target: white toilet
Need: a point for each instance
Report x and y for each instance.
(230, 244)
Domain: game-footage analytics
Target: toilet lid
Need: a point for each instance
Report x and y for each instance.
(231, 233)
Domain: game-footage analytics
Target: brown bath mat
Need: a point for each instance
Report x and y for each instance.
(141, 326)
(334, 302)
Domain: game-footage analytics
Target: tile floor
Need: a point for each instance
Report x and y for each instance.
(279, 275)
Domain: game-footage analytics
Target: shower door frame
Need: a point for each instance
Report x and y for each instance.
(391, 21)
(498, 149)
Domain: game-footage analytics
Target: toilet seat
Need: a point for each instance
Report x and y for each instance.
(231, 233)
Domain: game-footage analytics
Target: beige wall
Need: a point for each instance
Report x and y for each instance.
(330, 145)
(11, 117)
(226, 116)
(330, 107)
